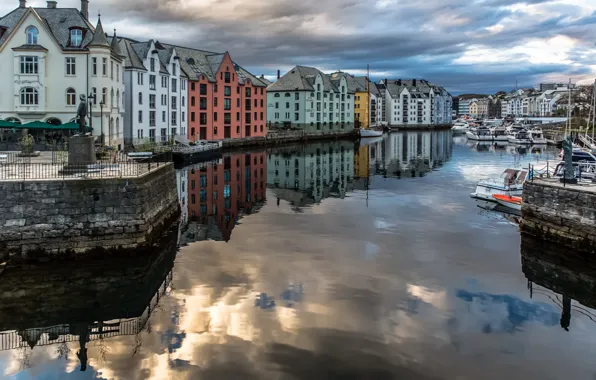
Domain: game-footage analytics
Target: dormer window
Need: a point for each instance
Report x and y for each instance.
(76, 37)
(32, 34)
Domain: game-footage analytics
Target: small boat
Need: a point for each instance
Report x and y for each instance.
(480, 134)
(508, 201)
(500, 134)
(521, 137)
(370, 133)
(460, 127)
(510, 183)
(537, 136)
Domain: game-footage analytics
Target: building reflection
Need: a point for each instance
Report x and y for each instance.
(559, 275)
(219, 194)
(304, 175)
(85, 300)
(410, 154)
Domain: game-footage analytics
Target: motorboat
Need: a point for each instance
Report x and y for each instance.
(508, 201)
(521, 137)
(537, 136)
(500, 134)
(370, 133)
(460, 127)
(583, 171)
(511, 183)
(480, 134)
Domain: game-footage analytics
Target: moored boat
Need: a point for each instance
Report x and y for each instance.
(510, 183)
(460, 127)
(508, 201)
(537, 136)
(370, 133)
(480, 134)
(521, 137)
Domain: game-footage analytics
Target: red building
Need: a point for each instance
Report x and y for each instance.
(224, 100)
(221, 193)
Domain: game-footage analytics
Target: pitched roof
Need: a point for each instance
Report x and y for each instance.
(10, 21)
(99, 37)
(302, 78)
(354, 85)
(132, 60)
(116, 46)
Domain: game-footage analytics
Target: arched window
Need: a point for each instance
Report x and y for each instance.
(117, 127)
(276, 95)
(29, 96)
(71, 97)
(117, 98)
(287, 95)
(112, 97)
(111, 128)
(32, 34)
(76, 37)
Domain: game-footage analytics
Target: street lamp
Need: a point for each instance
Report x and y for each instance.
(91, 99)
(101, 104)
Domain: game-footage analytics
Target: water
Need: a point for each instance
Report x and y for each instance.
(326, 261)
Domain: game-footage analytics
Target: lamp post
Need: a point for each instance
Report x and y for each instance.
(101, 104)
(91, 99)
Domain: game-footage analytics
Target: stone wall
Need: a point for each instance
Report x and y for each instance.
(57, 218)
(560, 214)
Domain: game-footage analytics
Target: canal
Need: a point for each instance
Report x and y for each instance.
(326, 261)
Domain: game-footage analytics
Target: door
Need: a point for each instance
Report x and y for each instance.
(227, 132)
(203, 133)
(247, 131)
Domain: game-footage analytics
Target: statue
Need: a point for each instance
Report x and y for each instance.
(569, 174)
(82, 114)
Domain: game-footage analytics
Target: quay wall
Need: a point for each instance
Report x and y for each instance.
(560, 214)
(279, 138)
(415, 127)
(47, 219)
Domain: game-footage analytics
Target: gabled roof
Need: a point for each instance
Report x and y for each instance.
(132, 59)
(302, 78)
(354, 85)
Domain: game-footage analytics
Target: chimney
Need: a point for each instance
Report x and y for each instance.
(22, 3)
(52, 4)
(85, 9)
(414, 82)
(399, 82)
(278, 74)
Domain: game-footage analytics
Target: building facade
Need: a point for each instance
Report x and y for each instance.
(156, 92)
(52, 56)
(225, 100)
(309, 100)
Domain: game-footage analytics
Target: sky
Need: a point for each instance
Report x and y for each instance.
(479, 46)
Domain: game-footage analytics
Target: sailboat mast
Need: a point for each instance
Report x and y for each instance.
(593, 108)
(369, 113)
(568, 129)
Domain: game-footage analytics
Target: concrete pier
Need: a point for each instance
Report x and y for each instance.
(559, 213)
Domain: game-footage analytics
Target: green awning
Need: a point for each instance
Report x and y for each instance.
(46, 126)
(7, 124)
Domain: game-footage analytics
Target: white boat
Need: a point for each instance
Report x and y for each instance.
(370, 133)
(537, 136)
(521, 137)
(460, 127)
(500, 134)
(510, 183)
(480, 134)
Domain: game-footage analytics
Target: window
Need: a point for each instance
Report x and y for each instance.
(276, 95)
(152, 82)
(163, 116)
(152, 65)
(183, 84)
(140, 133)
(29, 97)
(183, 104)
(164, 82)
(214, 116)
(227, 118)
(71, 97)
(192, 101)
(174, 85)
(104, 68)
(112, 98)
(104, 95)
(227, 104)
(238, 89)
(192, 117)
(248, 92)
(94, 65)
(262, 104)
(174, 103)
(227, 77)
(140, 98)
(152, 118)
(174, 118)
(237, 116)
(139, 78)
(174, 72)
(29, 65)
(70, 66)
(238, 102)
(192, 86)
(203, 118)
(261, 116)
(203, 89)
(112, 70)
(296, 116)
(276, 105)
(152, 101)
(117, 71)
(140, 116)
(215, 88)
(215, 102)
(203, 103)
(32, 34)
(227, 91)
(94, 94)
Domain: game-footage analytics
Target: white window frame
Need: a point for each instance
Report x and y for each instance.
(71, 66)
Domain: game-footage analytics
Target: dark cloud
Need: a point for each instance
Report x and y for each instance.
(397, 38)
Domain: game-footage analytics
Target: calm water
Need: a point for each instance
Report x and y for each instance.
(326, 261)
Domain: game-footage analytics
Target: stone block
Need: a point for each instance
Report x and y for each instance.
(15, 223)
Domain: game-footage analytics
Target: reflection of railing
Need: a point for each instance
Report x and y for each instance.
(45, 336)
(554, 297)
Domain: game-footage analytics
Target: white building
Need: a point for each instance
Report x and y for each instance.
(416, 102)
(49, 58)
(156, 92)
(306, 98)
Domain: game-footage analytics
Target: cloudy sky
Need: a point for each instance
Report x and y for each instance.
(465, 45)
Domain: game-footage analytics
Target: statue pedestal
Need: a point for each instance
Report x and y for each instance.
(570, 181)
(81, 150)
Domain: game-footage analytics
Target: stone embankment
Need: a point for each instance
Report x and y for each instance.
(280, 138)
(54, 218)
(564, 214)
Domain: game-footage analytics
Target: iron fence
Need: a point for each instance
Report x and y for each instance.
(16, 168)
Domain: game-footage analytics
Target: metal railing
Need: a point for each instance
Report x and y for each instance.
(16, 168)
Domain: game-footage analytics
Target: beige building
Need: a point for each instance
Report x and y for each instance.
(474, 108)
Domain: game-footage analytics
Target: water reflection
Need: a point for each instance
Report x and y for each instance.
(559, 275)
(82, 301)
(219, 193)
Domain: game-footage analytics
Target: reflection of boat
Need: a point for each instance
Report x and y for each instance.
(510, 183)
(511, 215)
(371, 141)
(370, 133)
(508, 201)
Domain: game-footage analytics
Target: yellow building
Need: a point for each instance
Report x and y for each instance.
(358, 86)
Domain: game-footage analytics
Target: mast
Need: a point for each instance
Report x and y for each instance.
(568, 125)
(369, 113)
(593, 108)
